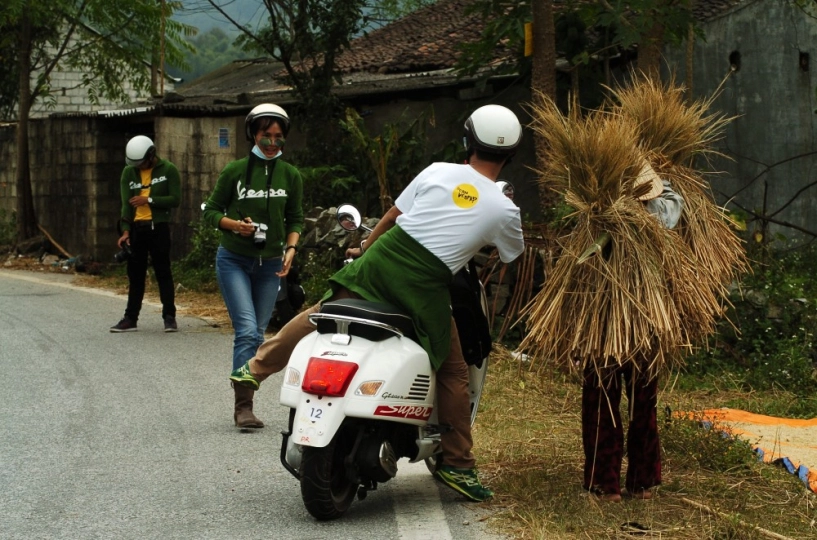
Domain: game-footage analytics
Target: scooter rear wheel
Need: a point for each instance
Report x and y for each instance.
(433, 463)
(326, 489)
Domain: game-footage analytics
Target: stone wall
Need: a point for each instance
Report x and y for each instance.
(770, 147)
(200, 148)
(76, 163)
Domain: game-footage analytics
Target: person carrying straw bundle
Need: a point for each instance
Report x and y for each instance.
(625, 298)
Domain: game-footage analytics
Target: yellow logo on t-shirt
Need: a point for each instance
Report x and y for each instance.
(465, 195)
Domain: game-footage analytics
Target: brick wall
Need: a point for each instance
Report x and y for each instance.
(70, 95)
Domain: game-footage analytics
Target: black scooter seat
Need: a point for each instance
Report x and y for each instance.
(373, 311)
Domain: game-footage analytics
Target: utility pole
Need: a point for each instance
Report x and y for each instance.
(162, 53)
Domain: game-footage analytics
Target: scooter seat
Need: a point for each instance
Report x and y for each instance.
(365, 310)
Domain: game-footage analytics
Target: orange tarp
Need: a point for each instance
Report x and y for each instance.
(789, 441)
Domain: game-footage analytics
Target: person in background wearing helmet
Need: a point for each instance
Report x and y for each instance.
(149, 189)
(443, 217)
(256, 204)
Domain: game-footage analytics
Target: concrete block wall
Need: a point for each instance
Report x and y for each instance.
(70, 95)
(75, 165)
(75, 175)
(771, 143)
(200, 148)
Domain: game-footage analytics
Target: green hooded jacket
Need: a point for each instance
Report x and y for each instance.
(165, 191)
(400, 271)
(273, 196)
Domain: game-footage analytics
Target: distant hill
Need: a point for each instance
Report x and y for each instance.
(202, 15)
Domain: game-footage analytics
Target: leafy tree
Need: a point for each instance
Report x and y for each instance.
(107, 40)
(306, 36)
(648, 24)
(8, 73)
(505, 25)
(392, 154)
(382, 12)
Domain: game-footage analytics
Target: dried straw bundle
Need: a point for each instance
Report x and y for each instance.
(674, 134)
(638, 295)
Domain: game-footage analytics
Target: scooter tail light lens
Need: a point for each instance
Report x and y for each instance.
(325, 377)
(368, 388)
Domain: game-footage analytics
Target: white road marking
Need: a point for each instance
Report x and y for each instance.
(417, 507)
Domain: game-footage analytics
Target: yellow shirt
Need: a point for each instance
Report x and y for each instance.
(143, 212)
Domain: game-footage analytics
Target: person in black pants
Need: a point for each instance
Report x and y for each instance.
(149, 189)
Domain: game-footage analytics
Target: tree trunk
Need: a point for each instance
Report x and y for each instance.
(26, 217)
(649, 51)
(689, 55)
(543, 79)
(544, 48)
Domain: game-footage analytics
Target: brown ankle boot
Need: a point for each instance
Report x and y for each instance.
(244, 417)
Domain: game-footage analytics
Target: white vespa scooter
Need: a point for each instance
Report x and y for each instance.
(361, 393)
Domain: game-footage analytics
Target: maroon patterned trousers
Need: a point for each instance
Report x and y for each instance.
(603, 434)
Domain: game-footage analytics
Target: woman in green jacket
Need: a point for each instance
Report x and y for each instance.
(257, 205)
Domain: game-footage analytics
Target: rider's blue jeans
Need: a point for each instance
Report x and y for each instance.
(249, 287)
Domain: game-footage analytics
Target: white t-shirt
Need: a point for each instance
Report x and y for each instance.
(454, 211)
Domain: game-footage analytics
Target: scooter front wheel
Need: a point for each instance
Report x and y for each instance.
(326, 489)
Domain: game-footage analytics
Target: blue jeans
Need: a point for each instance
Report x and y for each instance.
(249, 287)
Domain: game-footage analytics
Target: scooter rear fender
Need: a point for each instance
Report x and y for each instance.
(406, 393)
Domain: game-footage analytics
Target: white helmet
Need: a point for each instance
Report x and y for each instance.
(138, 150)
(266, 109)
(493, 129)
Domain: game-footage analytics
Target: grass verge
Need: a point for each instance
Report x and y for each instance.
(528, 442)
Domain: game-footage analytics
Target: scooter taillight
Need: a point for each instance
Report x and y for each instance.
(328, 377)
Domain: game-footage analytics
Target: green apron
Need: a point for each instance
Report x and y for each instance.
(398, 270)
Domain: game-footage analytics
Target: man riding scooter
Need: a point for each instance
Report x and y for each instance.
(439, 222)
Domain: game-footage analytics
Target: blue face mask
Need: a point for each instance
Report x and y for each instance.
(257, 151)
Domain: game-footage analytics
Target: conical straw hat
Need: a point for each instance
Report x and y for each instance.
(645, 176)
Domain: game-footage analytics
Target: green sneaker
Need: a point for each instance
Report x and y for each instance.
(464, 481)
(243, 377)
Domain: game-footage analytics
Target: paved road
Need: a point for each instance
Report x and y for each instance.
(130, 435)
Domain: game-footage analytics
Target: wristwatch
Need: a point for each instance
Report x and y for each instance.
(150, 200)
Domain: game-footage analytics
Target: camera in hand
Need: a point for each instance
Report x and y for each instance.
(260, 236)
(123, 255)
